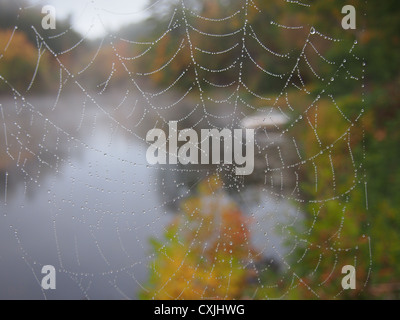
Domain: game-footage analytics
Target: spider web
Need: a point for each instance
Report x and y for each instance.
(77, 192)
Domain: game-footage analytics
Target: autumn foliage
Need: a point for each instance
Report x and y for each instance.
(18, 59)
(206, 253)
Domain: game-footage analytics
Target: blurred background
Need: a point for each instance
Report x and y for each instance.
(76, 191)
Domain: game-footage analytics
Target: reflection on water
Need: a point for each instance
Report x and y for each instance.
(78, 196)
(77, 193)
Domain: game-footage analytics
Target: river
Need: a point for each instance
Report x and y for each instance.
(77, 193)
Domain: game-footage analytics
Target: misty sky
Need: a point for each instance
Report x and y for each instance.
(98, 16)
